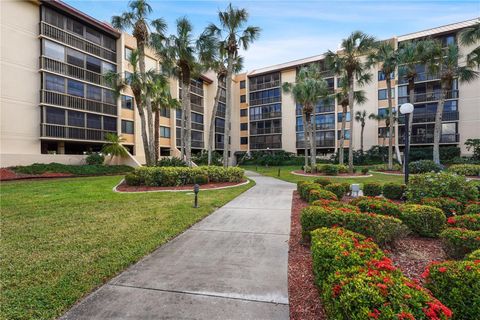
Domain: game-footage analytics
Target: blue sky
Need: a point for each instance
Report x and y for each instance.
(297, 29)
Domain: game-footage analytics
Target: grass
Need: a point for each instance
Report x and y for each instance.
(286, 175)
(62, 238)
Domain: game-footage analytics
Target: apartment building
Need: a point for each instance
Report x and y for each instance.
(56, 105)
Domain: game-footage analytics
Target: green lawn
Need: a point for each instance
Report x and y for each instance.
(287, 176)
(62, 238)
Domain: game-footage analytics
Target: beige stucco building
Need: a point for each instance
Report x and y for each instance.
(55, 105)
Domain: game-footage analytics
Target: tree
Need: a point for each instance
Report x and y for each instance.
(309, 88)
(361, 116)
(114, 146)
(349, 63)
(232, 37)
(443, 62)
(137, 19)
(387, 56)
(384, 117)
(471, 36)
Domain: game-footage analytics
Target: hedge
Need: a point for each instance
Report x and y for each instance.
(468, 221)
(393, 191)
(338, 189)
(457, 285)
(474, 256)
(323, 181)
(304, 188)
(423, 166)
(383, 207)
(334, 204)
(458, 242)
(472, 208)
(78, 170)
(449, 206)
(465, 169)
(372, 189)
(176, 176)
(425, 221)
(321, 194)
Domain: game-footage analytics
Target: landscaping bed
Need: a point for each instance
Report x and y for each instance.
(7, 174)
(123, 187)
(339, 175)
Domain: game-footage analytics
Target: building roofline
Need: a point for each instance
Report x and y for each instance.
(286, 65)
(439, 29)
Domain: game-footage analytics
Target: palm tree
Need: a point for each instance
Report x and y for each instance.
(137, 19)
(387, 118)
(468, 37)
(114, 146)
(387, 56)
(232, 37)
(309, 88)
(361, 116)
(443, 62)
(348, 62)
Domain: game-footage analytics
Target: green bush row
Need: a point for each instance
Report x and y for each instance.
(449, 206)
(465, 169)
(394, 191)
(458, 242)
(78, 170)
(467, 221)
(425, 221)
(379, 206)
(424, 166)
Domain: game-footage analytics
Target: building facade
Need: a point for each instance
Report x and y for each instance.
(57, 107)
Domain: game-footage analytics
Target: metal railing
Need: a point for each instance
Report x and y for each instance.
(430, 117)
(77, 42)
(196, 107)
(265, 101)
(423, 76)
(263, 86)
(68, 101)
(318, 143)
(265, 131)
(265, 115)
(264, 146)
(196, 90)
(429, 96)
(74, 133)
(428, 138)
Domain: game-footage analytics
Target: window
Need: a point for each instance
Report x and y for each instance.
(54, 50)
(242, 84)
(243, 112)
(94, 121)
(127, 102)
(450, 106)
(197, 136)
(402, 91)
(76, 58)
(76, 119)
(108, 67)
(243, 126)
(109, 123)
(94, 64)
(75, 27)
(346, 132)
(382, 94)
(109, 43)
(109, 97)
(55, 116)
(196, 117)
(75, 88)
(54, 18)
(94, 93)
(127, 127)
(340, 116)
(243, 98)
(128, 77)
(381, 76)
(383, 112)
(93, 36)
(449, 128)
(128, 53)
(165, 112)
(54, 83)
(243, 140)
(165, 132)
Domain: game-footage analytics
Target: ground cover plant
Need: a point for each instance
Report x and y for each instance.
(78, 170)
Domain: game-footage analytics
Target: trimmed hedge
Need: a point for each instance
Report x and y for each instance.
(472, 208)
(474, 256)
(465, 169)
(459, 242)
(80, 170)
(323, 181)
(334, 204)
(382, 229)
(176, 176)
(449, 206)
(423, 166)
(372, 189)
(383, 207)
(457, 285)
(304, 188)
(338, 189)
(394, 191)
(425, 221)
(321, 194)
(468, 221)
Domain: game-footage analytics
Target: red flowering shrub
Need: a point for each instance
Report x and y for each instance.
(304, 187)
(337, 188)
(425, 221)
(449, 206)
(457, 285)
(474, 256)
(472, 208)
(458, 242)
(320, 194)
(334, 204)
(354, 201)
(468, 221)
(383, 229)
(383, 207)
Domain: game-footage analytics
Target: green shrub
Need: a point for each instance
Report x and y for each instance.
(449, 206)
(393, 191)
(343, 168)
(321, 194)
(443, 184)
(457, 285)
(467, 221)
(337, 188)
(323, 181)
(372, 189)
(95, 158)
(201, 158)
(459, 242)
(200, 179)
(346, 187)
(78, 170)
(377, 206)
(305, 188)
(365, 170)
(330, 169)
(382, 229)
(465, 169)
(472, 208)
(334, 204)
(171, 162)
(133, 180)
(300, 184)
(423, 166)
(425, 221)
(474, 256)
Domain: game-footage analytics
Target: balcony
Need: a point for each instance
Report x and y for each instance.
(265, 101)
(318, 143)
(195, 144)
(73, 133)
(254, 132)
(196, 107)
(72, 71)
(429, 97)
(77, 42)
(68, 101)
(264, 146)
(196, 90)
(219, 129)
(423, 76)
(265, 115)
(218, 145)
(263, 86)
(325, 126)
(197, 126)
(428, 138)
(430, 117)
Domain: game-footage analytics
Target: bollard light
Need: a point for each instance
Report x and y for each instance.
(196, 190)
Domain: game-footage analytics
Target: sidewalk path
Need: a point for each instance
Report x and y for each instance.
(231, 265)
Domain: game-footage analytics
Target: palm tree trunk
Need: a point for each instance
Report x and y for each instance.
(228, 110)
(437, 133)
(350, 104)
(411, 98)
(305, 140)
(313, 149)
(187, 116)
(143, 128)
(361, 136)
(211, 131)
(157, 135)
(341, 151)
(390, 126)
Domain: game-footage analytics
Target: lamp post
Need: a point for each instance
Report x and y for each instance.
(406, 109)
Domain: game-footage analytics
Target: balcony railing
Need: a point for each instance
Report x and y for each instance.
(219, 145)
(220, 114)
(196, 90)
(68, 101)
(195, 144)
(265, 115)
(265, 101)
(423, 76)
(325, 126)
(264, 146)
(263, 86)
(72, 71)
(219, 129)
(430, 117)
(254, 132)
(197, 126)
(74, 133)
(196, 107)
(429, 96)
(77, 42)
(428, 138)
(318, 144)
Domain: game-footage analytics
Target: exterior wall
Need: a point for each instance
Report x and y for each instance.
(288, 114)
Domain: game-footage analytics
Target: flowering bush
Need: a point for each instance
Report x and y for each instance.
(423, 220)
(337, 188)
(465, 169)
(393, 190)
(305, 188)
(382, 229)
(383, 207)
(443, 184)
(472, 207)
(449, 206)
(354, 202)
(372, 189)
(318, 194)
(423, 166)
(457, 284)
(459, 242)
(323, 181)
(474, 256)
(468, 221)
(334, 204)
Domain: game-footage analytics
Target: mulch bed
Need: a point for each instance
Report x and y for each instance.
(123, 187)
(8, 175)
(300, 172)
(304, 299)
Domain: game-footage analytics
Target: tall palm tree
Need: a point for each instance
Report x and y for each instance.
(387, 118)
(309, 88)
(443, 62)
(114, 146)
(232, 36)
(471, 36)
(349, 63)
(387, 56)
(361, 116)
(137, 19)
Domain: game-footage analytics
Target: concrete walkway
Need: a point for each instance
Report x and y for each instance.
(231, 265)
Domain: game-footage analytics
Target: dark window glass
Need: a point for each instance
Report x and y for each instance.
(94, 64)
(54, 18)
(55, 116)
(128, 77)
(128, 53)
(382, 94)
(94, 121)
(242, 84)
(76, 58)
(108, 67)
(381, 76)
(109, 123)
(347, 134)
(197, 136)
(243, 112)
(75, 88)
(127, 102)
(165, 112)
(243, 98)
(109, 96)
(243, 140)
(94, 93)
(109, 43)
(340, 116)
(196, 117)
(93, 35)
(243, 126)
(76, 119)
(164, 132)
(75, 27)
(54, 50)
(127, 127)
(54, 83)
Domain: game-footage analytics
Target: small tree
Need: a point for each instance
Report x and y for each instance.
(468, 37)
(475, 145)
(114, 146)
(361, 116)
(383, 117)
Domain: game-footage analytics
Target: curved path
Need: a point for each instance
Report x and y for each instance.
(231, 265)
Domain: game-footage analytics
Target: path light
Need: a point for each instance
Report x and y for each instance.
(406, 109)
(196, 190)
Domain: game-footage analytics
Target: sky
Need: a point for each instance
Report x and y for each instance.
(297, 29)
